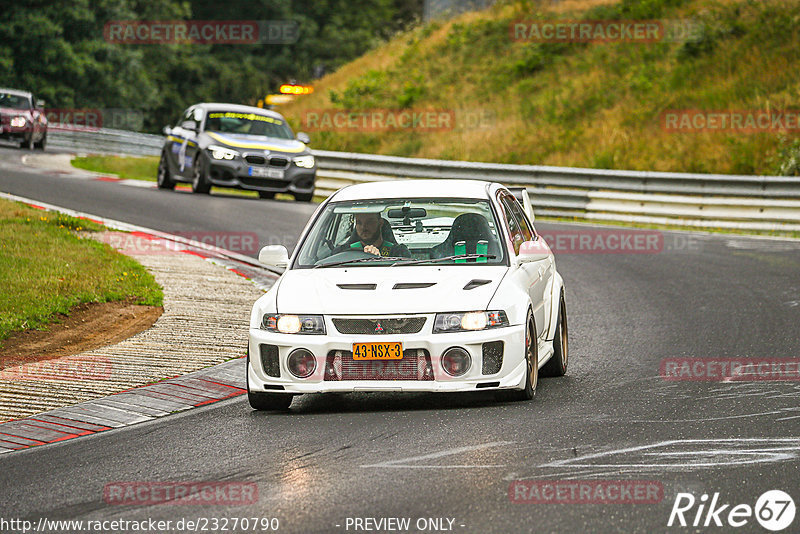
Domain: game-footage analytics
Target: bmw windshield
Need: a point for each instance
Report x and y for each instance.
(247, 124)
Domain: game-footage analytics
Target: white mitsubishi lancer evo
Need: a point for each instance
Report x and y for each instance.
(412, 285)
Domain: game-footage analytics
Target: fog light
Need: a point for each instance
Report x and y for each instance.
(301, 363)
(456, 361)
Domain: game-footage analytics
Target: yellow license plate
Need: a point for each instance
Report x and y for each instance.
(378, 351)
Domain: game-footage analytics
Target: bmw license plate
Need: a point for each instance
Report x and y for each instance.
(264, 172)
(378, 351)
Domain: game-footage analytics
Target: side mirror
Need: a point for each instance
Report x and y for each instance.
(274, 255)
(536, 250)
(303, 137)
(166, 130)
(189, 125)
(40, 104)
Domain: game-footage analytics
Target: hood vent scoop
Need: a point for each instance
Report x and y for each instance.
(367, 287)
(413, 285)
(472, 284)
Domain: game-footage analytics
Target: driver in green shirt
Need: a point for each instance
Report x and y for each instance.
(369, 231)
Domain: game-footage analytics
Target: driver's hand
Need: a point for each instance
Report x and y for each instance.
(372, 249)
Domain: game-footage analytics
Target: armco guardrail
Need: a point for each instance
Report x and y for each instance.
(103, 141)
(699, 200)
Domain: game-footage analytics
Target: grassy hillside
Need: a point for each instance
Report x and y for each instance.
(580, 104)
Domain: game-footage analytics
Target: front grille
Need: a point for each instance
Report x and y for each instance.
(492, 357)
(255, 160)
(415, 365)
(262, 182)
(278, 162)
(269, 360)
(399, 325)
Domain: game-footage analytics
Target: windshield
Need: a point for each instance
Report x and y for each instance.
(248, 123)
(14, 101)
(405, 232)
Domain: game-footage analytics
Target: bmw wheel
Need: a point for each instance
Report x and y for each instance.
(164, 177)
(200, 182)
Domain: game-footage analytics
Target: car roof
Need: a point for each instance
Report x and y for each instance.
(15, 92)
(237, 107)
(423, 188)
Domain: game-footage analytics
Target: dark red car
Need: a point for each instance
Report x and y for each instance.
(22, 119)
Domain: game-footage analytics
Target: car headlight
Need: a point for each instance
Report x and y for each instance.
(293, 324)
(307, 162)
(18, 122)
(218, 152)
(467, 321)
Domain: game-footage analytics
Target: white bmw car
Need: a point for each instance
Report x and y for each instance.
(413, 285)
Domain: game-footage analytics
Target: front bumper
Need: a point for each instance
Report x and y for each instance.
(16, 134)
(510, 376)
(240, 174)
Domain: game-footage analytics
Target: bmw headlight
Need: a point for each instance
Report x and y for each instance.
(293, 324)
(218, 152)
(467, 321)
(307, 162)
(18, 122)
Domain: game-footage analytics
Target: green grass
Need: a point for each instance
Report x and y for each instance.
(46, 268)
(135, 168)
(591, 105)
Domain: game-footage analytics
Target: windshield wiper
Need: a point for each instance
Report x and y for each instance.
(360, 260)
(448, 258)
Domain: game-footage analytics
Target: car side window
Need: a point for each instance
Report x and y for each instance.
(512, 224)
(187, 116)
(516, 209)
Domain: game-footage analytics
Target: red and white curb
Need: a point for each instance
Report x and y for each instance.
(145, 403)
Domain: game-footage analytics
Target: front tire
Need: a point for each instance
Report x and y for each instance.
(42, 142)
(269, 402)
(27, 144)
(266, 194)
(200, 183)
(532, 361)
(164, 177)
(557, 364)
(303, 197)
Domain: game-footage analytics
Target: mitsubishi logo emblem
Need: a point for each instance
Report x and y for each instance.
(378, 328)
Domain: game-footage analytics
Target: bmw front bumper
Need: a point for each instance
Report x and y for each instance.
(240, 174)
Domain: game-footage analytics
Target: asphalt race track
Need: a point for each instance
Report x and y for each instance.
(447, 462)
